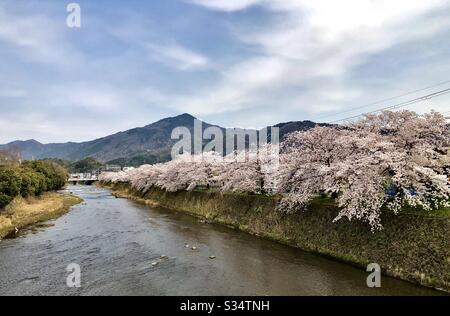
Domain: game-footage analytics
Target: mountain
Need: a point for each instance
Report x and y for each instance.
(289, 127)
(148, 144)
(32, 149)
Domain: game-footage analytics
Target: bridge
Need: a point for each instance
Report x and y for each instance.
(82, 178)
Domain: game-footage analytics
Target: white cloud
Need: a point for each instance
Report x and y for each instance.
(37, 38)
(287, 60)
(226, 5)
(176, 56)
(44, 128)
(98, 98)
(311, 47)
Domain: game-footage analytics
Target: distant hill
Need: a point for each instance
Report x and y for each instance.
(148, 144)
(289, 127)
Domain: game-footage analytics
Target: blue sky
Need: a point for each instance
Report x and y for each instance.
(246, 63)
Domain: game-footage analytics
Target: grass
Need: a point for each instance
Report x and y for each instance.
(442, 212)
(25, 212)
(406, 210)
(330, 202)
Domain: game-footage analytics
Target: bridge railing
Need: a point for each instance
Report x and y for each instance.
(83, 177)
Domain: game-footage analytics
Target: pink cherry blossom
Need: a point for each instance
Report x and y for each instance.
(402, 153)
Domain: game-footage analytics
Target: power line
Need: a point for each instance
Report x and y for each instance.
(384, 100)
(398, 105)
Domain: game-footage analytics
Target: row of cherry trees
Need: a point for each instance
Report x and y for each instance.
(253, 171)
(381, 162)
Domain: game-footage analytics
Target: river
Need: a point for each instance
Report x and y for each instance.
(124, 248)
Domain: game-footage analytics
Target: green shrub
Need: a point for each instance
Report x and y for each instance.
(54, 174)
(29, 179)
(5, 200)
(33, 183)
(10, 184)
(86, 165)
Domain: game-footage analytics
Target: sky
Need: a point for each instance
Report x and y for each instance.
(236, 63)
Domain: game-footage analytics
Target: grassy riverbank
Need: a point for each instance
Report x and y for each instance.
(22, 212)
(412, 246)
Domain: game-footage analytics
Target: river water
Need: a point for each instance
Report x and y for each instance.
(124, 248)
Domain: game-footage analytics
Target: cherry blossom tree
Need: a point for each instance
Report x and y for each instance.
(146, 177)
(207, 170)
(382, 162)
(241, 173)
(400, 151)
(251, 171)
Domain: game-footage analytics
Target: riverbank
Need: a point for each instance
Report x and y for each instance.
(23, 212)
(412, 247)
(129, 249)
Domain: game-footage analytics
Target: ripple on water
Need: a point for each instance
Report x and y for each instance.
(115, 241)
